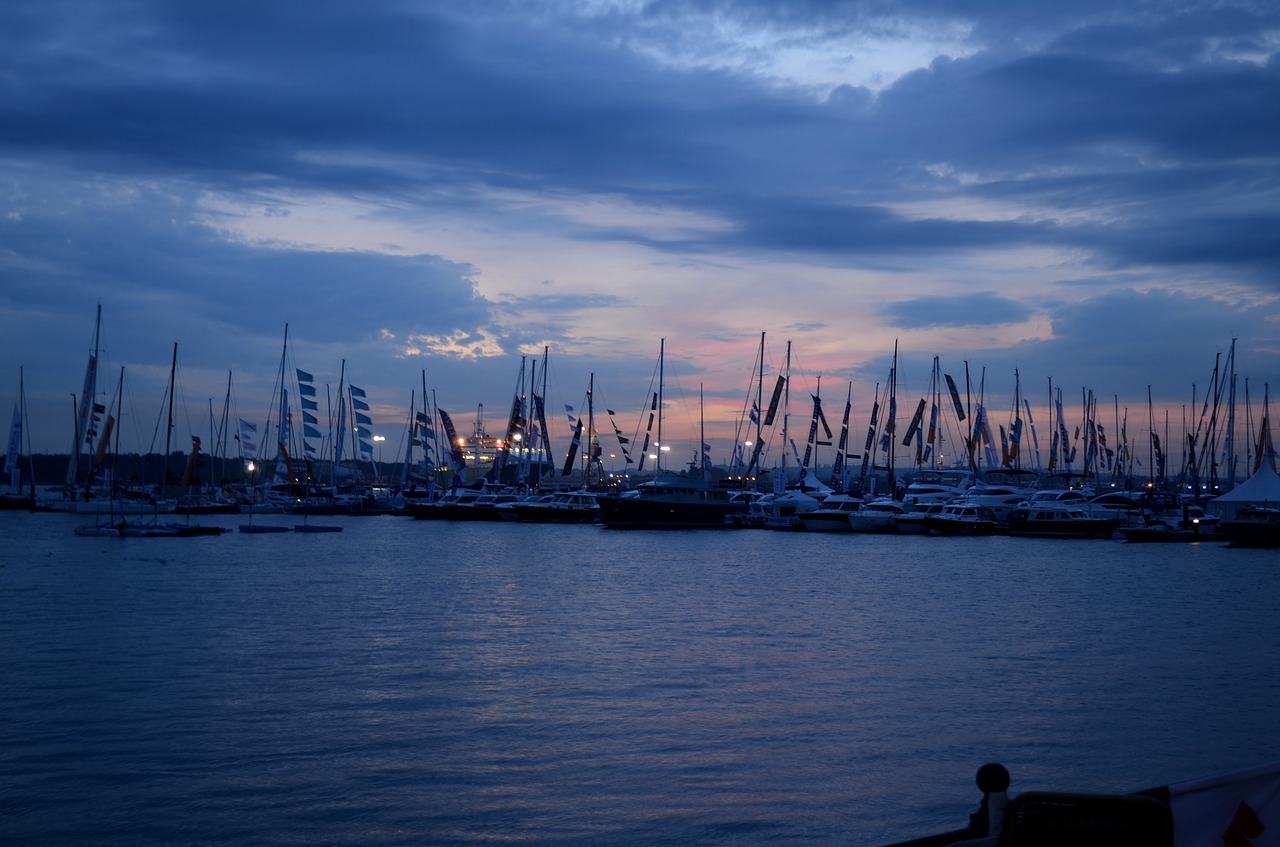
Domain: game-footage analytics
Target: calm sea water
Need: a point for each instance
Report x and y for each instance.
(428, 683)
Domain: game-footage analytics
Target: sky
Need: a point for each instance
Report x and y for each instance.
(1086, 194)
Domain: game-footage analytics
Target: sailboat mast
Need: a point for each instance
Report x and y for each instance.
(544, 443)
(893, 406)
(786, 413)
(282, 424)
(115, 453)
(662, 352)
(87, 396)
(591, 431)
(168, 429)
(340, 435)
(702, 440)
(760, 392)
(411, 429)
(225, 426)
(31, 462)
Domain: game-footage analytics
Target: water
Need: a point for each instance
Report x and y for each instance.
(420, 682)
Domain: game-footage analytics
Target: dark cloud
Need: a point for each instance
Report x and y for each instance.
(1116, 343)
(981, 308)
(1139, 141)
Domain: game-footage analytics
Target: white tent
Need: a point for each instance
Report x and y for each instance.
(1263, 488)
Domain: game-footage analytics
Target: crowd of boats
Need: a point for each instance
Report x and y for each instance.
(511, 477)
(934, 503)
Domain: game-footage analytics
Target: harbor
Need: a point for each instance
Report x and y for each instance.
(409, 682)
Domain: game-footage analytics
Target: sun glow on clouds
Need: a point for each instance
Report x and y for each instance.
(559, 245)
(459, 345)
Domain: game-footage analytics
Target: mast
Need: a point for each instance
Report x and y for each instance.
(340, 433)
(760, 393)
(221, 440)
(113, 492)
(893, 407)
(412, 430)
(544, 442)
(786, 415)
(26, 435)
(87, 396)
(1152, 442)
(662, 352)
(428, 442)
(704, 471)
(1230, 439)
(282, 425)
(592, 448)
(11, 464)
(168, 429)
(838, 466)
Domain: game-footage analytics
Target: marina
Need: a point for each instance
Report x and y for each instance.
(446, 682)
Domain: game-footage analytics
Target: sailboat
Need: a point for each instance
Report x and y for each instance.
(249, 454)
(112, 522)
(13, 497)
(187, 529)
(669, 501)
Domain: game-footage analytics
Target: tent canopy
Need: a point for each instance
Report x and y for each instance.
(1262, 487)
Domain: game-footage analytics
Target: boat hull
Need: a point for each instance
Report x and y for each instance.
(657, 513)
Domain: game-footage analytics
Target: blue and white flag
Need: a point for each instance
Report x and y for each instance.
(356, 392)
(303, 376)
(310, 405)
(248, 439)
(359, 405)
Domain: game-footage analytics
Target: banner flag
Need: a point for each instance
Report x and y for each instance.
(455, 449)
(1233, 808)
(574, 447)
(248, 438)
(914, 426)
(774, 400)
(955, 397)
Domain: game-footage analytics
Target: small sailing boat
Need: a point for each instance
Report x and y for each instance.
(13, 496)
